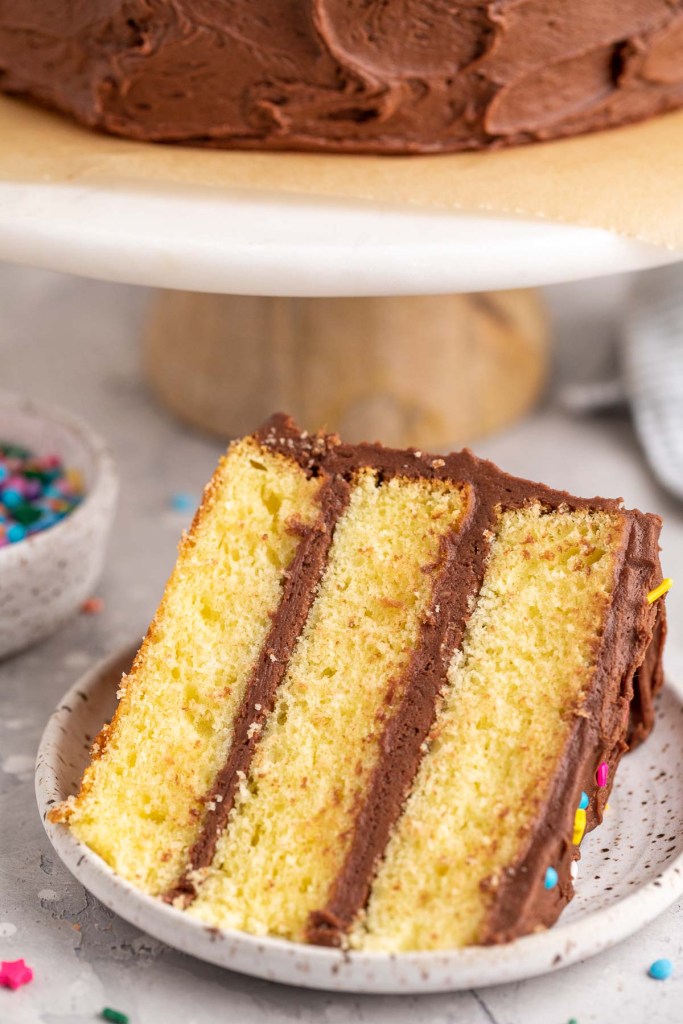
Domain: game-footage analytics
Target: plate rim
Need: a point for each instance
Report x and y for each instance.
(320, 967)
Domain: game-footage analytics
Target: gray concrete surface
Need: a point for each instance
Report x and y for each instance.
(75, 343)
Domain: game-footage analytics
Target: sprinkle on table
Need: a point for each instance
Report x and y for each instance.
(660, 970)
(93, 606)
(660, 591)
(15, 973)
(114, 1015)
(182, 501)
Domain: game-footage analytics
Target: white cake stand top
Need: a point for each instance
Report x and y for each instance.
(254, 244)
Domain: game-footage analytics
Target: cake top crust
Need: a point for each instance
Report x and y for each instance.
(327, 453)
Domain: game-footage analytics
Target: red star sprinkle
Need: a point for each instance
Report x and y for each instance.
(14, 973)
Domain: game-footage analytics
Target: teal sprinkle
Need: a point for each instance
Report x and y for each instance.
(114, 1015)
(550, 880)
(181, 501)
(584, 801)
(660, 970)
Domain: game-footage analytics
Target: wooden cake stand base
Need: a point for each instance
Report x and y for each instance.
(429, 371)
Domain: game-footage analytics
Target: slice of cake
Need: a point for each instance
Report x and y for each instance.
(382, 700)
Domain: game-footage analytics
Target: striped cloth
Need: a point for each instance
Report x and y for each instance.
(652, 361)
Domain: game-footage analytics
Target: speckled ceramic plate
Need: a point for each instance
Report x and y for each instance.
(631, 870)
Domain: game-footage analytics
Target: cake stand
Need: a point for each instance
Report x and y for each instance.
(292, 319)
(202, 240)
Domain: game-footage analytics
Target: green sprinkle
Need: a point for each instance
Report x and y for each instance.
(114, 1015)
(26, 514)
(14, 451)
(572, 1020)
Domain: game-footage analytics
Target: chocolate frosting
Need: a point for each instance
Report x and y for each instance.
(346, 75)
(298, 594)
(618, 710)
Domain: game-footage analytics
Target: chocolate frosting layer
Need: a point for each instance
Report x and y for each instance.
(346, 75)
(298, 594)
(618, 711)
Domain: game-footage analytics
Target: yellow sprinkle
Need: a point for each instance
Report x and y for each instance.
(579, 826)
(75, 478)
(659, 591)
(607, 807)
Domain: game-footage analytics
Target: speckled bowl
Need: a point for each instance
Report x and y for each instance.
(45, 578)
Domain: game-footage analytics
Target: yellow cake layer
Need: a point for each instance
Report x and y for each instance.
(513, 690)
(293, 819)
(141, 803)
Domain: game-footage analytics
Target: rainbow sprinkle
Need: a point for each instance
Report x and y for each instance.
(36, 491)
(660, 591)
(114, 1015)
(551, 878)
(583, 802)
(660, 970)
(15, 973)
(579, 826)
(601, 774)
(182, 501)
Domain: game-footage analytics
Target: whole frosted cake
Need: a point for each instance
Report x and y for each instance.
(383, 698)
(404, 76)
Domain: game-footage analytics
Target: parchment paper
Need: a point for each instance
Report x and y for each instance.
(628, 180)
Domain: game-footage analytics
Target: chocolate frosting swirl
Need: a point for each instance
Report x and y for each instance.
(346, 75)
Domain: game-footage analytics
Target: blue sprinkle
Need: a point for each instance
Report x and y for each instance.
(550, 880)
(12, 498)
(584, 801)
(46, 520)
(4, 473)
(183, 502)
(15, 533)
(660, 970)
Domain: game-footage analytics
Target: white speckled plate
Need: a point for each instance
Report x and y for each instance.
(630, 871)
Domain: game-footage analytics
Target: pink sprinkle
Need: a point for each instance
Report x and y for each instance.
(14, 973)
(603, 772)
(93, 606)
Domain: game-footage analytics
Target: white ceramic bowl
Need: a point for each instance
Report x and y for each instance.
(45, 578)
